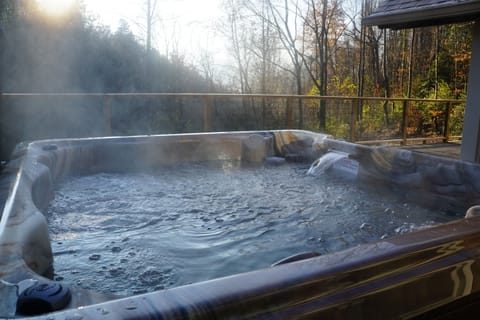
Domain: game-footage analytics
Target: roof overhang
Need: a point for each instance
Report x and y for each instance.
(449, 12)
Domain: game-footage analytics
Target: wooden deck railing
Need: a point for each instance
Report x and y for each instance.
(356, 113)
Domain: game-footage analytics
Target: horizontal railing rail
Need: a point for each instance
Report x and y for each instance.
(354, 122)
(222, 95)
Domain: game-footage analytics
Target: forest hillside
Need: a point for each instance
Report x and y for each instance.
(275, 47)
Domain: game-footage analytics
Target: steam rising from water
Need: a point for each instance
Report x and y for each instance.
(78, 56)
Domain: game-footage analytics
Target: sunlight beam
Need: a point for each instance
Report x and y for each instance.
(55, 8)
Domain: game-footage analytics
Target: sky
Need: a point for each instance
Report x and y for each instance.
(186, 26)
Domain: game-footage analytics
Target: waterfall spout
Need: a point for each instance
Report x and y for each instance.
(325, 162)
(336, 159)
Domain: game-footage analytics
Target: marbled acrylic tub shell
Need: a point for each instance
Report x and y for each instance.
(403, 276)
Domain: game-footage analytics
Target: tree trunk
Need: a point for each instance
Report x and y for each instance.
(323, 45)
(298, 78)
(437, 51)
(361, 70)
(386, 81)
(410, 66)
(148, 49)
(149, 26)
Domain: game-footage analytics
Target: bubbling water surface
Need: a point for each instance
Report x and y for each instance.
(139, 232)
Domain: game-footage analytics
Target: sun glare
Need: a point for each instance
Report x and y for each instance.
(56, 8)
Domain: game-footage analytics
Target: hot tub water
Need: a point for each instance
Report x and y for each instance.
(139, 232)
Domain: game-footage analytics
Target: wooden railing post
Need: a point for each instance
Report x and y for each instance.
(404, 122)
(107, 116)
(289, 113)
(301, 108)
(446, 130)
(353, 120)
(207, 114)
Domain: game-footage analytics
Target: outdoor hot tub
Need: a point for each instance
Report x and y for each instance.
(428, 272)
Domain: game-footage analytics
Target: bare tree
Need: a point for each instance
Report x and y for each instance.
(263, 49)
(150, 12)
(235, 30)
(149, 24)
(323, 25)
(285, 20)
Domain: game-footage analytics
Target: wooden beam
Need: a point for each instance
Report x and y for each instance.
(107, 116)
(471, 127)
(207, 114)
